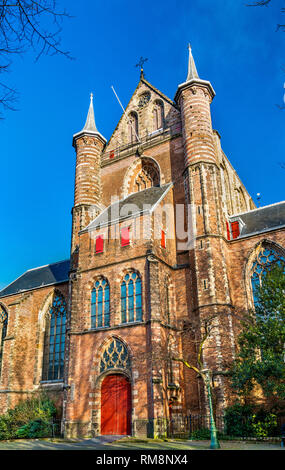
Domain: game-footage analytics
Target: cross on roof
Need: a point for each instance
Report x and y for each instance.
(140, 64)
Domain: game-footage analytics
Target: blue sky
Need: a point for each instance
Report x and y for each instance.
(235, 47)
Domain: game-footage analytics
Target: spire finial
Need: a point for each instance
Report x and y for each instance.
(90, 124)
(192, 71)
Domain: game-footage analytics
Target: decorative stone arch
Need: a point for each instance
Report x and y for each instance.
(43, 312)
(97, 378)
(236, 200)
(41, 330)
(226, 187)
(158, 115)
(254, 252)
(97, 356)
(129, 185)
(240, 199)
(125, 271)
(133, 127)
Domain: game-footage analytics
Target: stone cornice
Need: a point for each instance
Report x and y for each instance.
(89, 134)
(194, 82)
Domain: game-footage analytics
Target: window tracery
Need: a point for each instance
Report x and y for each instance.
(131, 298)
(147, 177)
(115, 356)
(266, 258)
(54, 344)
(100, 304)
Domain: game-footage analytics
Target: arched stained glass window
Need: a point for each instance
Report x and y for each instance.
(100, 304)
(3, 332)
(265, 259)
(115, 356)
(131, 298)
(53, 361)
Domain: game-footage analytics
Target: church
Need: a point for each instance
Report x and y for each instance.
(164, 236)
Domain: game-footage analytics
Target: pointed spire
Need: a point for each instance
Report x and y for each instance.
(193, 79)
(90, 124)
(192, 71)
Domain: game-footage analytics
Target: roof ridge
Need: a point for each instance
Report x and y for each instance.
(92, 224)
(46, 265)
(256, 209)
(36, 278)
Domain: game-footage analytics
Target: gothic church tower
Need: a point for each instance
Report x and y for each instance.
(204, 187)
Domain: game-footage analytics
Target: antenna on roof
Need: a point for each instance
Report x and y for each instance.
(258, 199)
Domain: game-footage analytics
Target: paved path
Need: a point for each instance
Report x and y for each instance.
(116, 443)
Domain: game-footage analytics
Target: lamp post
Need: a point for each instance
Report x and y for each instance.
(214, 439)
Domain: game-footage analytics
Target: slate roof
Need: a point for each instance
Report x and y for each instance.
(133, 205)
(39, 277)
(262, 219)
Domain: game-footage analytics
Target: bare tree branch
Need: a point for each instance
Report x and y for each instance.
(26, 24)
(265, 3)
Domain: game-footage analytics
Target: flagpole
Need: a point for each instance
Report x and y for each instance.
(125, 112)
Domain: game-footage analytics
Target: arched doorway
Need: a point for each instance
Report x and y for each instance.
(116, 405)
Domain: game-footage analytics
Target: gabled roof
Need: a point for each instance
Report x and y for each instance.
(262, 219)
(149, 85)
(132, 206)
(39, 277)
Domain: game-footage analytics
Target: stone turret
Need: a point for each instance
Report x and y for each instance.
(194, 98)
(88, 144)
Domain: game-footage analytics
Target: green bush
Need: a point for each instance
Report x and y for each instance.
(245, 421)
(5, 427)
(34, 429)
(204, 434)
(264, 424)
(30, 418)
(238, 420)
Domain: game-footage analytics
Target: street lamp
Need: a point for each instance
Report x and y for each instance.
(214, 439)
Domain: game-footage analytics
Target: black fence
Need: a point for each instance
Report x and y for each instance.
(178, 427)
(200, 425)
(186, 426)
(56, 430)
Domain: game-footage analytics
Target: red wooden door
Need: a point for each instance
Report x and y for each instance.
(116, 405)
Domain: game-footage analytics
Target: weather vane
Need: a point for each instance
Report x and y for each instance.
(140, 64)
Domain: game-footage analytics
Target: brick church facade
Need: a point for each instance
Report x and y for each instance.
(164, 233)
